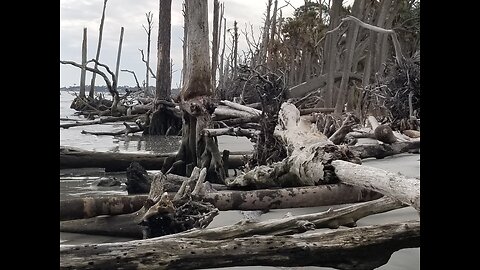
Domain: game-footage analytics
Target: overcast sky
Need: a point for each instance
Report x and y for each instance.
(77, 14)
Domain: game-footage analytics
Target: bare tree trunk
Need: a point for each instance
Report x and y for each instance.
(235, 49)
(119, 54)
(352, 34)
(148, 30)
(185, 38)
(264, 45)
(195, 98)
(271, 62)
(382, 15)
(384, 49)
(334, 21)
(215, 43)
(222, 70)
(84, 63)
(164, 80)
(99, 46)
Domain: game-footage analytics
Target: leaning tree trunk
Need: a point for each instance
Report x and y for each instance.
(334, 20)
(352, 34)
(195, 98)
(119, 55)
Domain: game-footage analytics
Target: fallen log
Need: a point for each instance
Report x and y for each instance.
(123, 225)
(354, 248)
(400, 187)
(127, 130)
(100, 121)
(249, 133)
(238, 121)
(106, 205)
(241, 107)
(383, 150)
(77, 158)
(225, 112)
(333, 219)
(309, 155)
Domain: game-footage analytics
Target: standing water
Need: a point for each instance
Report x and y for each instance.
(77, 183)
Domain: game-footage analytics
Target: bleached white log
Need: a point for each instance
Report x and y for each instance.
(400, 187)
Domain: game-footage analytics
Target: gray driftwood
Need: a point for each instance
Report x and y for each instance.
(354, 248)
(400, 187)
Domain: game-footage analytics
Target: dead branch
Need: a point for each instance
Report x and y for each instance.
(100, 121)
(127, 130)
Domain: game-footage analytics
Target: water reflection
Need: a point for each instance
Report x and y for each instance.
(152, 144)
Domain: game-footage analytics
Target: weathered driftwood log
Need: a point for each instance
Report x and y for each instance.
(354, 248)
(412, 133)
(185, 211)
(384, 150)
(383, 133)
(249, 133)
(309, 155)
(241, 107)
(159, 215)
(225, 112)
(339, 135)
(345, 216)
(238, 121)
(100, 121)
(76, 158)
(127, 130)
(122, 225)
(400, 187)
(92, 207)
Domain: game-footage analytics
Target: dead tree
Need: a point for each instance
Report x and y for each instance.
(119, 54)
(148, 30)
(332, 53)
(111, 85)
(215, 42)
(84, 63)
(99, 46)
(163, 121)
(195, 97)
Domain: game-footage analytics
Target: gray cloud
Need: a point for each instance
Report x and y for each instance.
(76, 14)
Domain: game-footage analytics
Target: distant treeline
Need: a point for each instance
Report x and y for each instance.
(104, 88)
